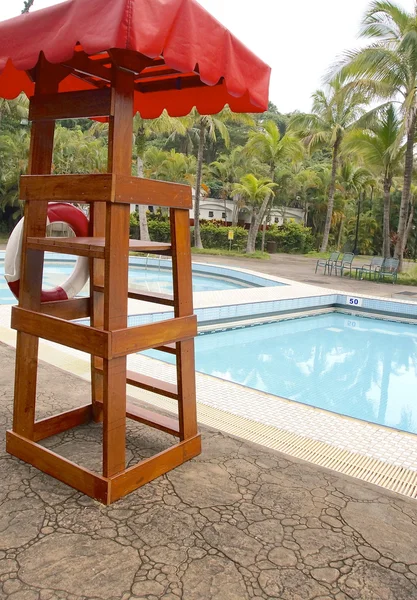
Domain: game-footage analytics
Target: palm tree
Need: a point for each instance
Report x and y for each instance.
(228, 169)
(381, 150)
(335, 112)
(153, 158)
(14, 151)
(142, 131)
(77, 151)
(273, 148)
(352, 183)
(296, 183)
(207, 126)
(256, 193)
(178, 167)
(19, 107)
(387, 68)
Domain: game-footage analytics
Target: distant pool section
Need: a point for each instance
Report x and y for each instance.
(150, 274)
(360, 367)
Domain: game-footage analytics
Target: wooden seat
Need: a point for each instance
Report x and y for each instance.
(93, 247)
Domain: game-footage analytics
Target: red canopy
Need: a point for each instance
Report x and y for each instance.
(196, 61)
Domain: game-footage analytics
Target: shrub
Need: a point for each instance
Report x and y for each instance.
(159, 231)
(291, 238)
(158, 226)
(216, 236)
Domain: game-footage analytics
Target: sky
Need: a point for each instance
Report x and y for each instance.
(299, 39)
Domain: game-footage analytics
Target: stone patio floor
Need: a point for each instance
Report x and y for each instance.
(301, 269)
(238, 522)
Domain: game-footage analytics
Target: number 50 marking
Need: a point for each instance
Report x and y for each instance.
(354, 301)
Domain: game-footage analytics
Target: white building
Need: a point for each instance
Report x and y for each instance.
(215, 209)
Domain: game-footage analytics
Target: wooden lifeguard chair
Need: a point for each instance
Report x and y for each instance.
(126, 58)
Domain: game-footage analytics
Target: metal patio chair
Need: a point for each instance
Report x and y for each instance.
(371, 268)
(328, 263)
(389, 269)
(344, 264)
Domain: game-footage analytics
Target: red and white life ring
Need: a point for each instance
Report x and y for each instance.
(57, 213)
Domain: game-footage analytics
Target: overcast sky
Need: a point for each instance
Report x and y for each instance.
(299, 39)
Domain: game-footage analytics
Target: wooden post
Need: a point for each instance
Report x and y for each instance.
(183, 307)
(97, 229)
(116, 274)
(40, 161)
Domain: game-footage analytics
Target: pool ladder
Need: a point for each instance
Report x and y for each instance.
(159, 258)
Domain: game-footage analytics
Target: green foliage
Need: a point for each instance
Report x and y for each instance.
(368, 228)
(27, 5)
(322, 162)
(216, 236)
(159, 231)
(217, 252)
(291, 238)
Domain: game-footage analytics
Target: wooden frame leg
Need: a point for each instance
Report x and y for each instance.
(114, 416)
(183, 298)
(25, 384)
(116, 275)
(98, 229)
(40, 162)
(187, 405)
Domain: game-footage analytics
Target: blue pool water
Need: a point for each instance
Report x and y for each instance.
(359, 367)
(150, 279)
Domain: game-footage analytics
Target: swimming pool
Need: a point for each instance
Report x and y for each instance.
(355, 366)
(151, 278)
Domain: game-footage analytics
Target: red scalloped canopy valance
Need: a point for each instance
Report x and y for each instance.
(181, 32)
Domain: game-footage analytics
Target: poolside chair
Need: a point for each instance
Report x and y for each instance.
(389, 269)
(344, 265)
(328, 263)
(372, 268)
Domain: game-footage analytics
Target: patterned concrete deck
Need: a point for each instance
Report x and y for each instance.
(239, 522)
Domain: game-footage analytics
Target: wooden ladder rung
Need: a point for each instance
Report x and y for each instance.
(152, 385)
(155, 297)
(153, 419)
(168, 348)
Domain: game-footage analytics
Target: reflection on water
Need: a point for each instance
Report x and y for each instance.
(360, 367)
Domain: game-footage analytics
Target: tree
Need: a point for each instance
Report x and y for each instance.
(77, 151)
(256, 193)
(153, 158)
(387, 68)
(296, 184)
(14, 159)
(381, 150)
(143, 130)
(273, 148)
(352, 183)
(178, 167)
(27, 6)
(335, 112)
(208, 126)
(228, 170)
(17, 108)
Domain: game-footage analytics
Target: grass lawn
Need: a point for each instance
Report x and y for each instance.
(407, 277)
(359, 257)
(219, 252)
